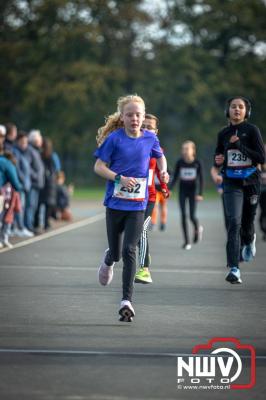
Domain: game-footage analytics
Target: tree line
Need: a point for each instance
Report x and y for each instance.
(64, 64)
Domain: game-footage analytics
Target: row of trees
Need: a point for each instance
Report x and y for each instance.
(64, 63)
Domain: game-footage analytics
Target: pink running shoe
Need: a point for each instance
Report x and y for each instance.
(105, 272)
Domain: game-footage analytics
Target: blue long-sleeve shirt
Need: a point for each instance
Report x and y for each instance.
(8, 173)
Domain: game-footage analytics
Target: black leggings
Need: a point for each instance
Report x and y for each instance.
(131, 224)
(144, 243)
(240, 207)
(263, 211)
(191, 197)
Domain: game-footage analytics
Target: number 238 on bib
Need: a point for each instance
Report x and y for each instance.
(236, 158)
(137, 193)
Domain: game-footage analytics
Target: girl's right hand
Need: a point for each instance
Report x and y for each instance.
(219, 180)
(128, 182)
(234, 139)
(219, 159)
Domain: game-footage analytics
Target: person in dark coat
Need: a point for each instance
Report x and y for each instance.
(37, 176)
(48, 193)
(11, 136)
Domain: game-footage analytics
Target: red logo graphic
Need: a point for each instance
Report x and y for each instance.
(237, 346)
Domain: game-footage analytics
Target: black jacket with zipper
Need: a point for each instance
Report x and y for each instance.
(250, 143)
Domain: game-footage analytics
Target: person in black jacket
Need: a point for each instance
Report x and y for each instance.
(11, 136)
(37, 176)
(239, 151)
(48, 192)
(188, 170)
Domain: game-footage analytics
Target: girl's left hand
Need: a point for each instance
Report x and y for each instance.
(164, 176)
(199, 198)
(218, 180)
(165, 193)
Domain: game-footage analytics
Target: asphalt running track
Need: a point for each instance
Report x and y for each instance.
(59, 332)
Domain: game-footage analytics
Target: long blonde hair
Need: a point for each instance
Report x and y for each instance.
(113, 121)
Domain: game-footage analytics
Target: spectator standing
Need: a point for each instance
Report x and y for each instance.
(8, 174)
(48, 192)
(11, 136)
(24, 173)
(37, 176)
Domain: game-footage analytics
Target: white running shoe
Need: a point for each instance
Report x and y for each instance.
(105, 272)
(234, 276)
(23, 233)
(126, 311)
(186, 246)
(27, 233)
(201, 229)
(249, 251)
(6, 243)
(198, 234)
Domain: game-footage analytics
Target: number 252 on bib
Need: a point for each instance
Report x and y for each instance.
(137, 193)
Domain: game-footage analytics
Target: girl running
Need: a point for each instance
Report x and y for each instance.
(143, 275)
(188, 170)
(123, 159)
(263, 201)
(160, 206)
(239, 150)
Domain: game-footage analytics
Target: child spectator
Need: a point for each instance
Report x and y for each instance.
(11, 197)
(63, 198)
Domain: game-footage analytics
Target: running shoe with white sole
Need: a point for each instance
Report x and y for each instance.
(126, 311)
(234, 276)
(7, 244)
(143, 276)
(105, 272)
(186, 246)
(249, 250)
(23, 233)
(198, 234)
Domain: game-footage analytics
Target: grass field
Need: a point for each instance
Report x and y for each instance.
(97, 193)
(83, 193)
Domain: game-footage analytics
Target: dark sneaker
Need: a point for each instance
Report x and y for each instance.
(162, 227)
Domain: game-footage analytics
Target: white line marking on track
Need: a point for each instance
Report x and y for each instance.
(154, 271)
(66, 352)
(59, 231)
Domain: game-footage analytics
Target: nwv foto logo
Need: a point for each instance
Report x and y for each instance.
(217, 369)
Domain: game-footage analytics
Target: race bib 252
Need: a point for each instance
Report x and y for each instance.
(137, 193)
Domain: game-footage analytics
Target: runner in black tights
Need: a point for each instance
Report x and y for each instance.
(188, 170)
